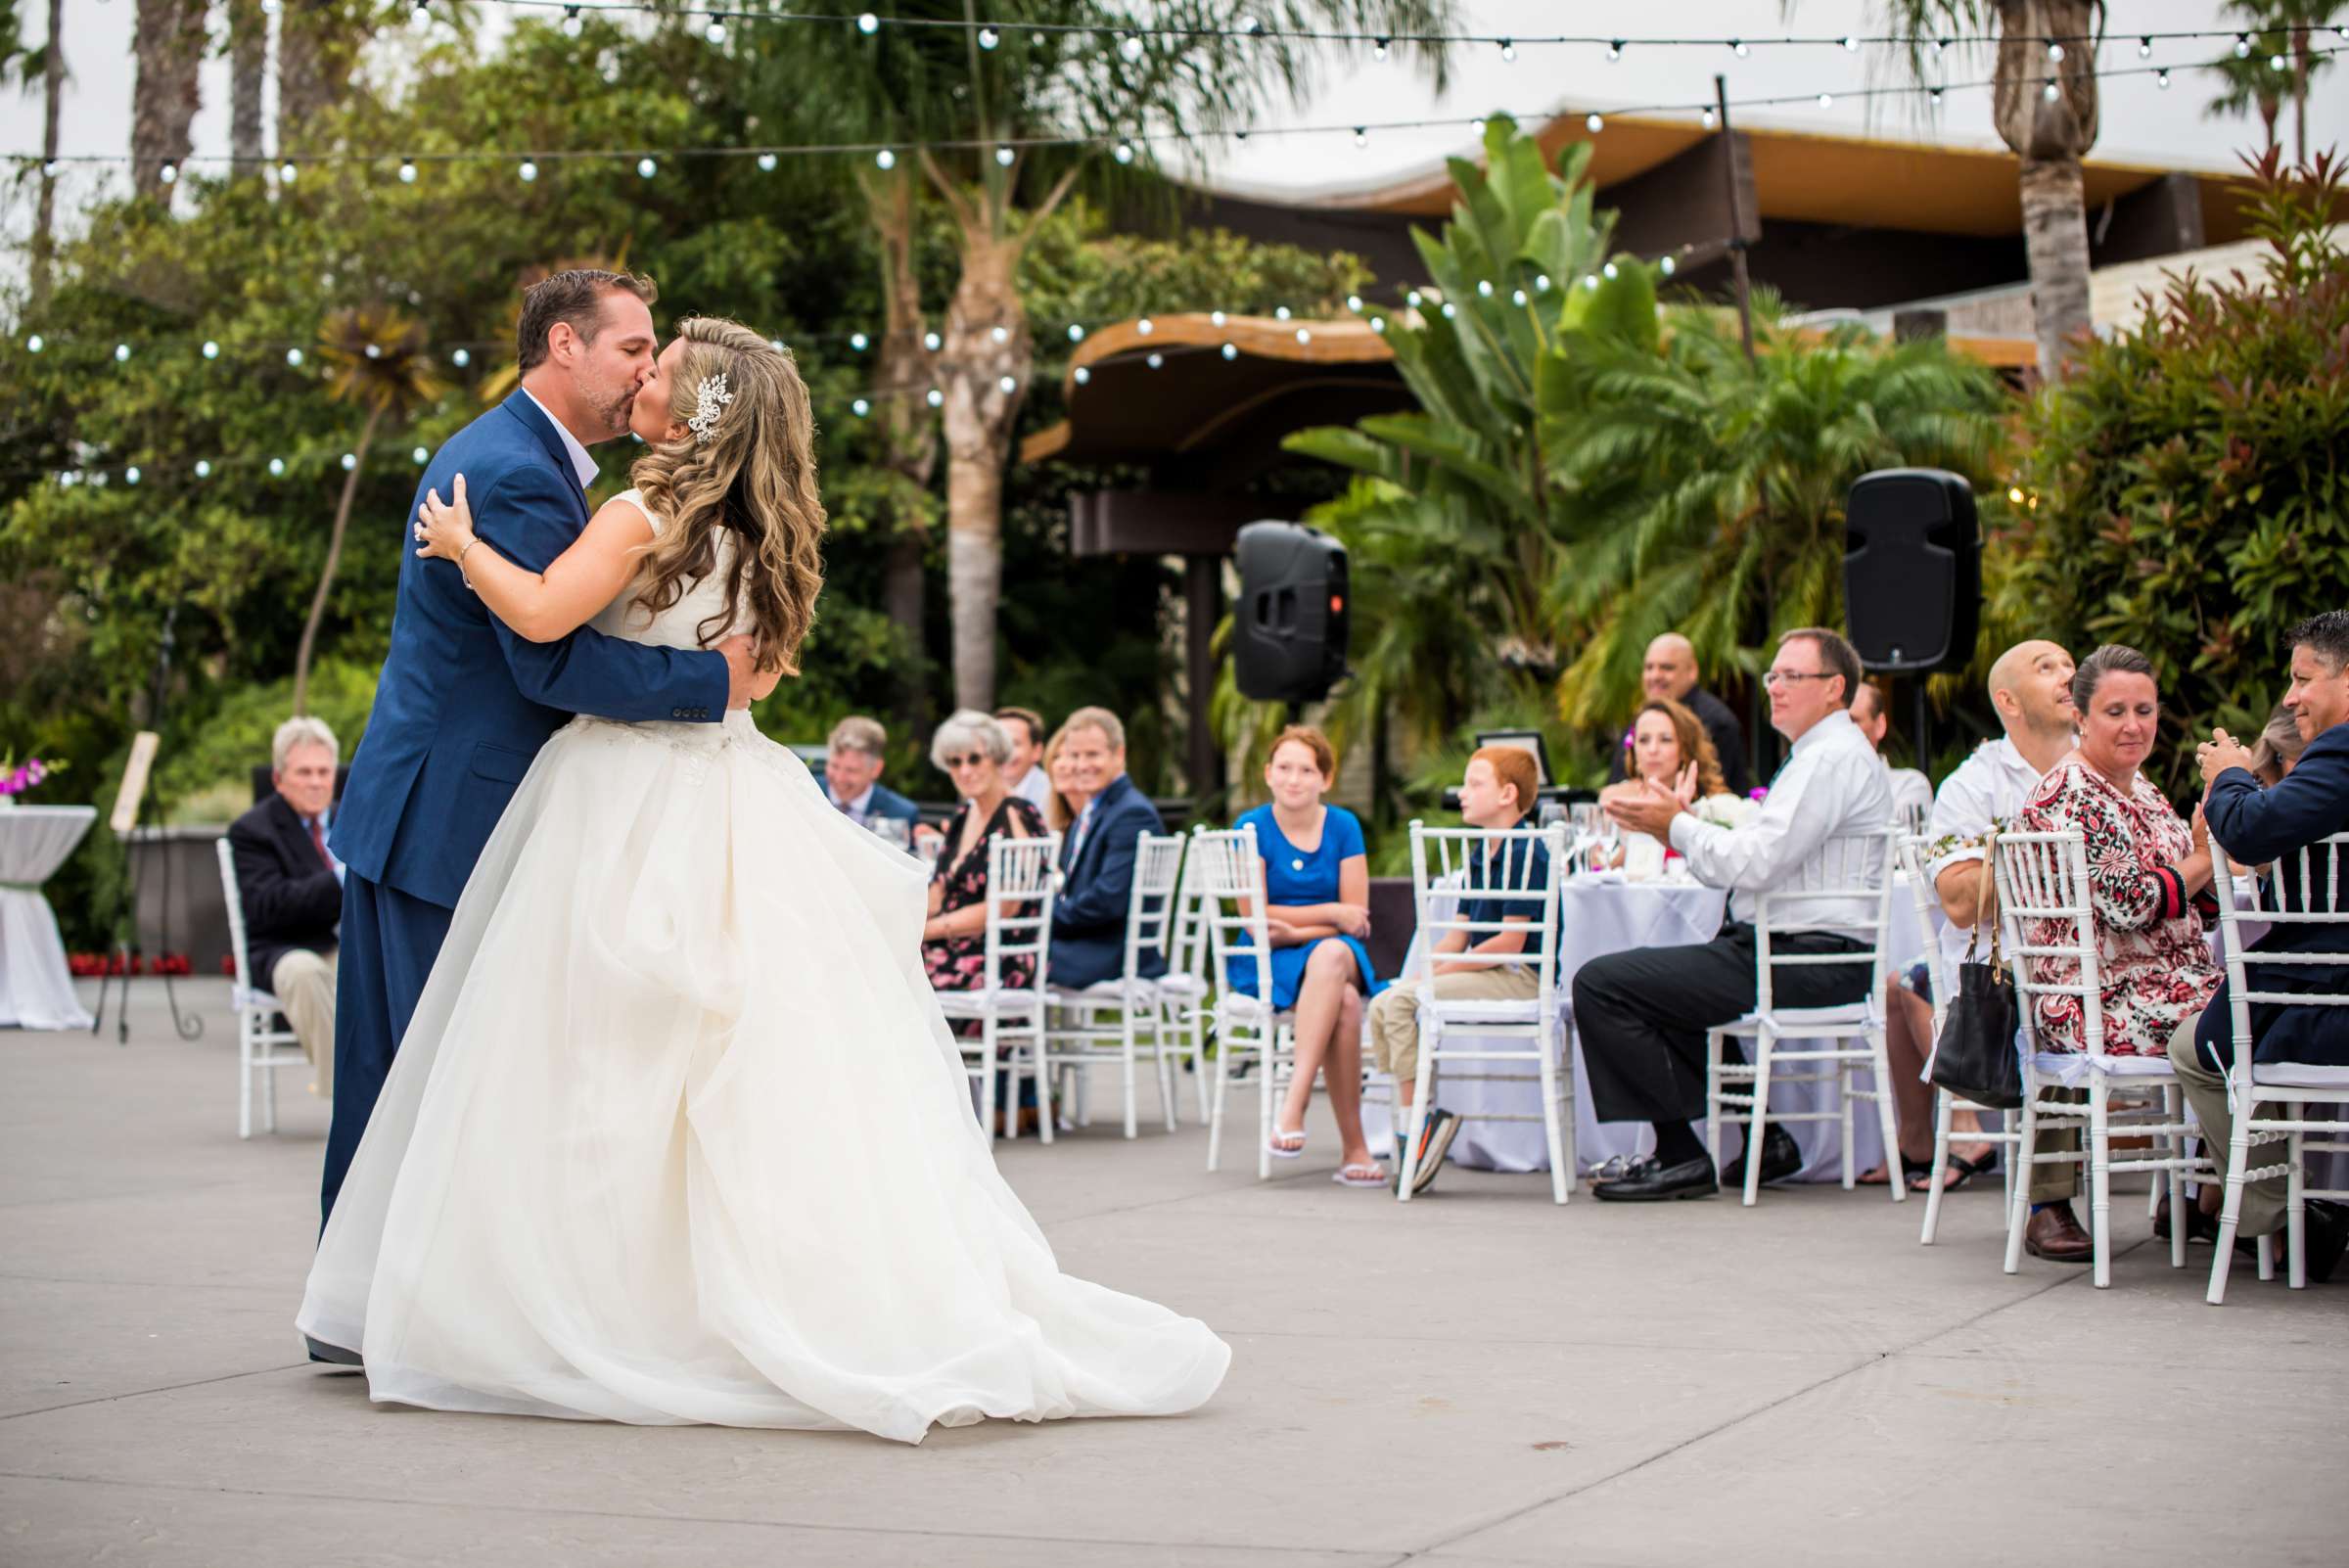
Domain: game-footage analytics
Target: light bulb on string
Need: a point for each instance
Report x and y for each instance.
(1933, 93)
(1826, 99)
(1609, 270)
(421, 16)
(1361, 136)
(529, 171)
(35, 343)
(419, 456)
(1378, 324)
(988, 38)
(1379, 47)
(131, 475)
(1303, 335)
(294, 357)
(1280, 313)
(1738, 47)
(1230, 350)
(1353, 302)
(287, 173)
(1850, 45)
(1131, 48)
(647, 169)
(121, 352)
(1517, 297)
(277, 468)
(211, 349)
(407, 172)
(1594, 124)
(1145, 326)
(885, 159)
(1706, 117)
(860, 407)
(2161, 78)
(1668, 266)
(571, 24)
(1541, 283)
(1008, 385)
(1591, 281)
(2275, 62)
(1614, 51)
(999, 334)
(2242, 46)
(932, 342)
(375, 350)
(867, 23)
(1003, 156)
(1484, 288)
(1449, 312)
(2055, 52)
(1125, 153)
(168, 173)
(2145, 47)
(1155, 360)
(204, 468)
(937, 399)
(766, 163)
(715, 32)
(1508, 50)
(858, 341)
(2050, 92)
(1076, 333)
(350, 460)
(461, 359)
(1081, 375)
(1249, 26)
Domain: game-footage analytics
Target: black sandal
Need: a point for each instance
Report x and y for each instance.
(1920, 1176)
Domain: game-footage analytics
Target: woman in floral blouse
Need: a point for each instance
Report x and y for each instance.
(2146, 870)
(971, 748)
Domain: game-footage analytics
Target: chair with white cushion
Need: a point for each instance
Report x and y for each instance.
(1526, 1034)
(1831, 1042)
(2042, 895)
(1914, 859)
(1022, 883)
(1120, 1019)
(2278, 1102)
(264, 1042)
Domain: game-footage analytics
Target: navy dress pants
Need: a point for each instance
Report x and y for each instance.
(390, 940)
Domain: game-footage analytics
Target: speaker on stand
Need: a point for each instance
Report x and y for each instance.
(1912, 576)
(1290, 627)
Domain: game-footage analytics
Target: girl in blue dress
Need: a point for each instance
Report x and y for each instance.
(1317, 911)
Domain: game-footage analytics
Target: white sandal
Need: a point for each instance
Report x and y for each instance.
(1376, 1177)
(1280, 1151)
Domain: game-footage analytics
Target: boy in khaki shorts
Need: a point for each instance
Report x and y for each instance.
(1497, 793)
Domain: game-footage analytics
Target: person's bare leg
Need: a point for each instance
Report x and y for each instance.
(1908, 1036)
(1344, 1076)
(1321, 998)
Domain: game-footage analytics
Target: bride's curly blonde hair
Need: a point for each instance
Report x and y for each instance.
(755, 475)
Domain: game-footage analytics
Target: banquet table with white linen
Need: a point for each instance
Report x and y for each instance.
(1603, 914)
(36, 991)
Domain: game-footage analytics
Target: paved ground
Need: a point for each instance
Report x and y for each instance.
(1480, 1379)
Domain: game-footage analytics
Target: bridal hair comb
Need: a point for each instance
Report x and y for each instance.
(709, 402)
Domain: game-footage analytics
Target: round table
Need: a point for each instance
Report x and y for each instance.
(36, 991)
(1603, 914)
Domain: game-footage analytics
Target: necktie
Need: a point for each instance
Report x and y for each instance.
(318, 841)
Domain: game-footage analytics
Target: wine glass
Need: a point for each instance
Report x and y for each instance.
(895, 831)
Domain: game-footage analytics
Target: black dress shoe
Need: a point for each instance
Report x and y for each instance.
(1649, 1181)
(330, 1354)
(2324, 1235)
(1782, 1158)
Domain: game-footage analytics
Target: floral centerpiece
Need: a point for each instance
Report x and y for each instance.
(18, 777)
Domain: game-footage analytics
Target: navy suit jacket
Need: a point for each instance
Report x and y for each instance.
(463, 704)
(291, 898)
(1089, 918)
(888, 803)
(2257, 826)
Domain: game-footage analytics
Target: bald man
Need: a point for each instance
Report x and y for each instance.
(1669, 671)
(2031, 688)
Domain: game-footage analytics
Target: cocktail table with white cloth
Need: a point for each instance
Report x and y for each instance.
(36, 991)
(1600, 913)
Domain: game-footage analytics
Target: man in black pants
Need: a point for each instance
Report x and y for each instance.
(1642, 1015)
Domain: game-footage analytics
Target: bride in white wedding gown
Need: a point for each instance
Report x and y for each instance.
(679, 1133)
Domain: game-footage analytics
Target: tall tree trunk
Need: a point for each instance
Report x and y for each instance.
(169, 46)
(979, 419)
(2302, 62)
(901, 377)
(318, 44)
(326, 573)
(247, 70)
(2050, 136)
(52, 97)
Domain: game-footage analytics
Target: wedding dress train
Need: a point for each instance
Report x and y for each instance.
(679, 1134)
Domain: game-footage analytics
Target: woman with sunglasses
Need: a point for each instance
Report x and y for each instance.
(971, 748)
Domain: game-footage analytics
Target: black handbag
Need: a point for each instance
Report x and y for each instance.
(1976, 1058)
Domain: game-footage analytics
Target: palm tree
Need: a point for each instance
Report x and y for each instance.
(247, 66)
(1003, 97)
(48, 63)
(2286, 31)
(170, 45)
(318, 45)
(2249, 84)
(2050, 133)
(1718, 482)
(381, 366)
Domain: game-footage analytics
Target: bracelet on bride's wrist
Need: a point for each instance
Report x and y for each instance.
(469, 545)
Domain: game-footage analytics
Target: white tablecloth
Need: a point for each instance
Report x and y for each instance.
(1596, 918)
(36, 991)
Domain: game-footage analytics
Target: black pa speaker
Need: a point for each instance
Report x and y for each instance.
(1289, 632)
(1911, 570)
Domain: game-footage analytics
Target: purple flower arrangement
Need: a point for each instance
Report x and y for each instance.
(15, 781)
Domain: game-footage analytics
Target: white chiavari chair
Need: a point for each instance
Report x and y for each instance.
(1231, 893)
(1183, 991)
(1830, 1043)
(1022, 884)
(2044, 903)
(1525, 1034)
(2275, 1102)
(263, 1043)
(1944, 975)
(1121, 1019)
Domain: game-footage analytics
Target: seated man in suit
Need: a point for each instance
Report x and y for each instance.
(1096, 859)
(2258, 826)
(853, 753)
(292, 890)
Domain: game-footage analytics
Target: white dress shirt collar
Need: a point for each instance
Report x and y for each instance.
(860, 808)
(581, 463)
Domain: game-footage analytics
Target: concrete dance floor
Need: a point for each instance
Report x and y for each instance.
(1478, 1379)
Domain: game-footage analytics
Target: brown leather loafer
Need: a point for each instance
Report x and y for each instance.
(2054, 1233)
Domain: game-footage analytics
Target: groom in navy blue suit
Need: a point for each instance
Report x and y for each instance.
(463, 704)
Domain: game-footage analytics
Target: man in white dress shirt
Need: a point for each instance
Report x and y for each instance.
(1910, 789)
(2031, 688)
(1024, 774)
(1642, 1015)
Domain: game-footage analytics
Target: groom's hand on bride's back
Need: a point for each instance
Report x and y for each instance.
(744, 684)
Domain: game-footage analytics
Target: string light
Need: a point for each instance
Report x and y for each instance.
(1131, 47)
(204, 468)
(647, 169)
(461, 359)
(861, 408)
(35, 343)
(529, 171)
(938, 400)
(1826, 99)
(1668, 266)
(1076, 333)
(351, 461)
(2161, 79)
(868, 24)
(571, 24)
(1081, 375)
(885, 159)
(167, 173)
(2145, 47)
(1125, 153)
(1009, 385)
(1850, 45)
(1361, 136)
(2055, 52)
(1508, 50)
(932, 342)
(858, 341)
(1353, 302)
(420, 457)
(1230, 350)
(1614, 51)
(407, 173)
(1709, 119)
(131, 475)
(1378, 49)
(277, 468)
(1280, 313)
(1594, 124)
(988, 37)
(715, 32)
(1145, 326)
(1155, 360)
(1738, 47)
(2274, 62)
(121, 352)
(1003, 156)
(999, 334)
(287, 173)
(1216, 317)
(294, 357)
(1304, 336)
